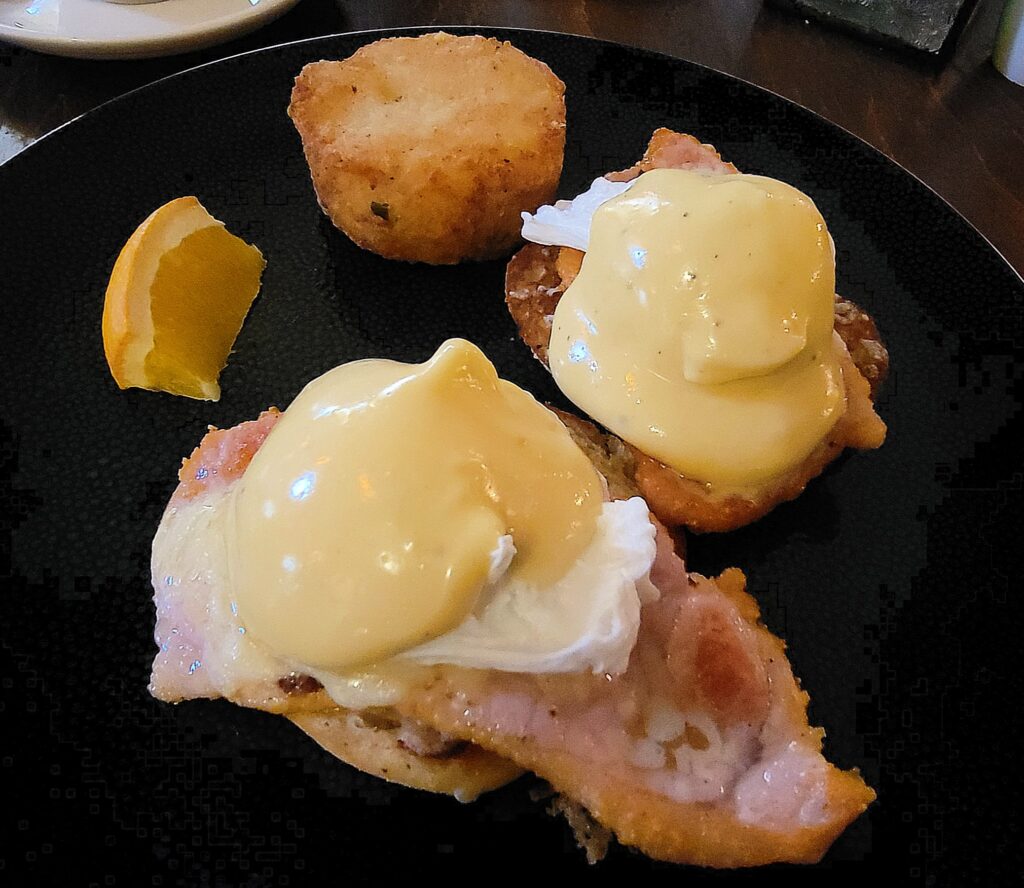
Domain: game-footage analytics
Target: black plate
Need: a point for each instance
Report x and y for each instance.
(893, 579)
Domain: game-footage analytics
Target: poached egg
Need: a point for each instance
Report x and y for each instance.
(700, 326)
(407, 515)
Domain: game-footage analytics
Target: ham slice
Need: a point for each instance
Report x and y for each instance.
(700, 752)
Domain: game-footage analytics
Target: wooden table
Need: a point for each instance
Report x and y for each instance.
(956, 123)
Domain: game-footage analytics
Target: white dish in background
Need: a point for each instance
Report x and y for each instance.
(97, 29)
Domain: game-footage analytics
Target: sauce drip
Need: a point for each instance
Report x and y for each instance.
(699, 328)
(379, 505)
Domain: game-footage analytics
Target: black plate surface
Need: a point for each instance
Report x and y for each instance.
(895, 579)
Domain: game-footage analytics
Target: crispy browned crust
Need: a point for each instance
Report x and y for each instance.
(426, 149)
(592, 837)
(663, 828)
(609, 455)
(859, 333)
(382, 743)
(374, 745)
(533, 289)
(537, 276)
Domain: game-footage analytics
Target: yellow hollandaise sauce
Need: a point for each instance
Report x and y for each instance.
(376, 510)
(699, 328)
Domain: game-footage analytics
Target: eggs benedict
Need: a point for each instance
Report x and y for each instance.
(419, 566)
(400, 515)
(690, 310)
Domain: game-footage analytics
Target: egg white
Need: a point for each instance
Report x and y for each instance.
(567, 222)
(586, 621)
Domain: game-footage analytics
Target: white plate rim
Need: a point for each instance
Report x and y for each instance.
(204, 23)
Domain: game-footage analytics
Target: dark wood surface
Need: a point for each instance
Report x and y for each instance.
(955, 122)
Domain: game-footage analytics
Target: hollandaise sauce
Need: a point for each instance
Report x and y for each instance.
(386, 496)
(699, 328)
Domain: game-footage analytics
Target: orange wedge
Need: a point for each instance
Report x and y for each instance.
(179, 292)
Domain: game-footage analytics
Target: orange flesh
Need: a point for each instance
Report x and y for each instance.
(204, 264)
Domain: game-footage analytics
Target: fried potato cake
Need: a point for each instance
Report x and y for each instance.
(426, 149)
